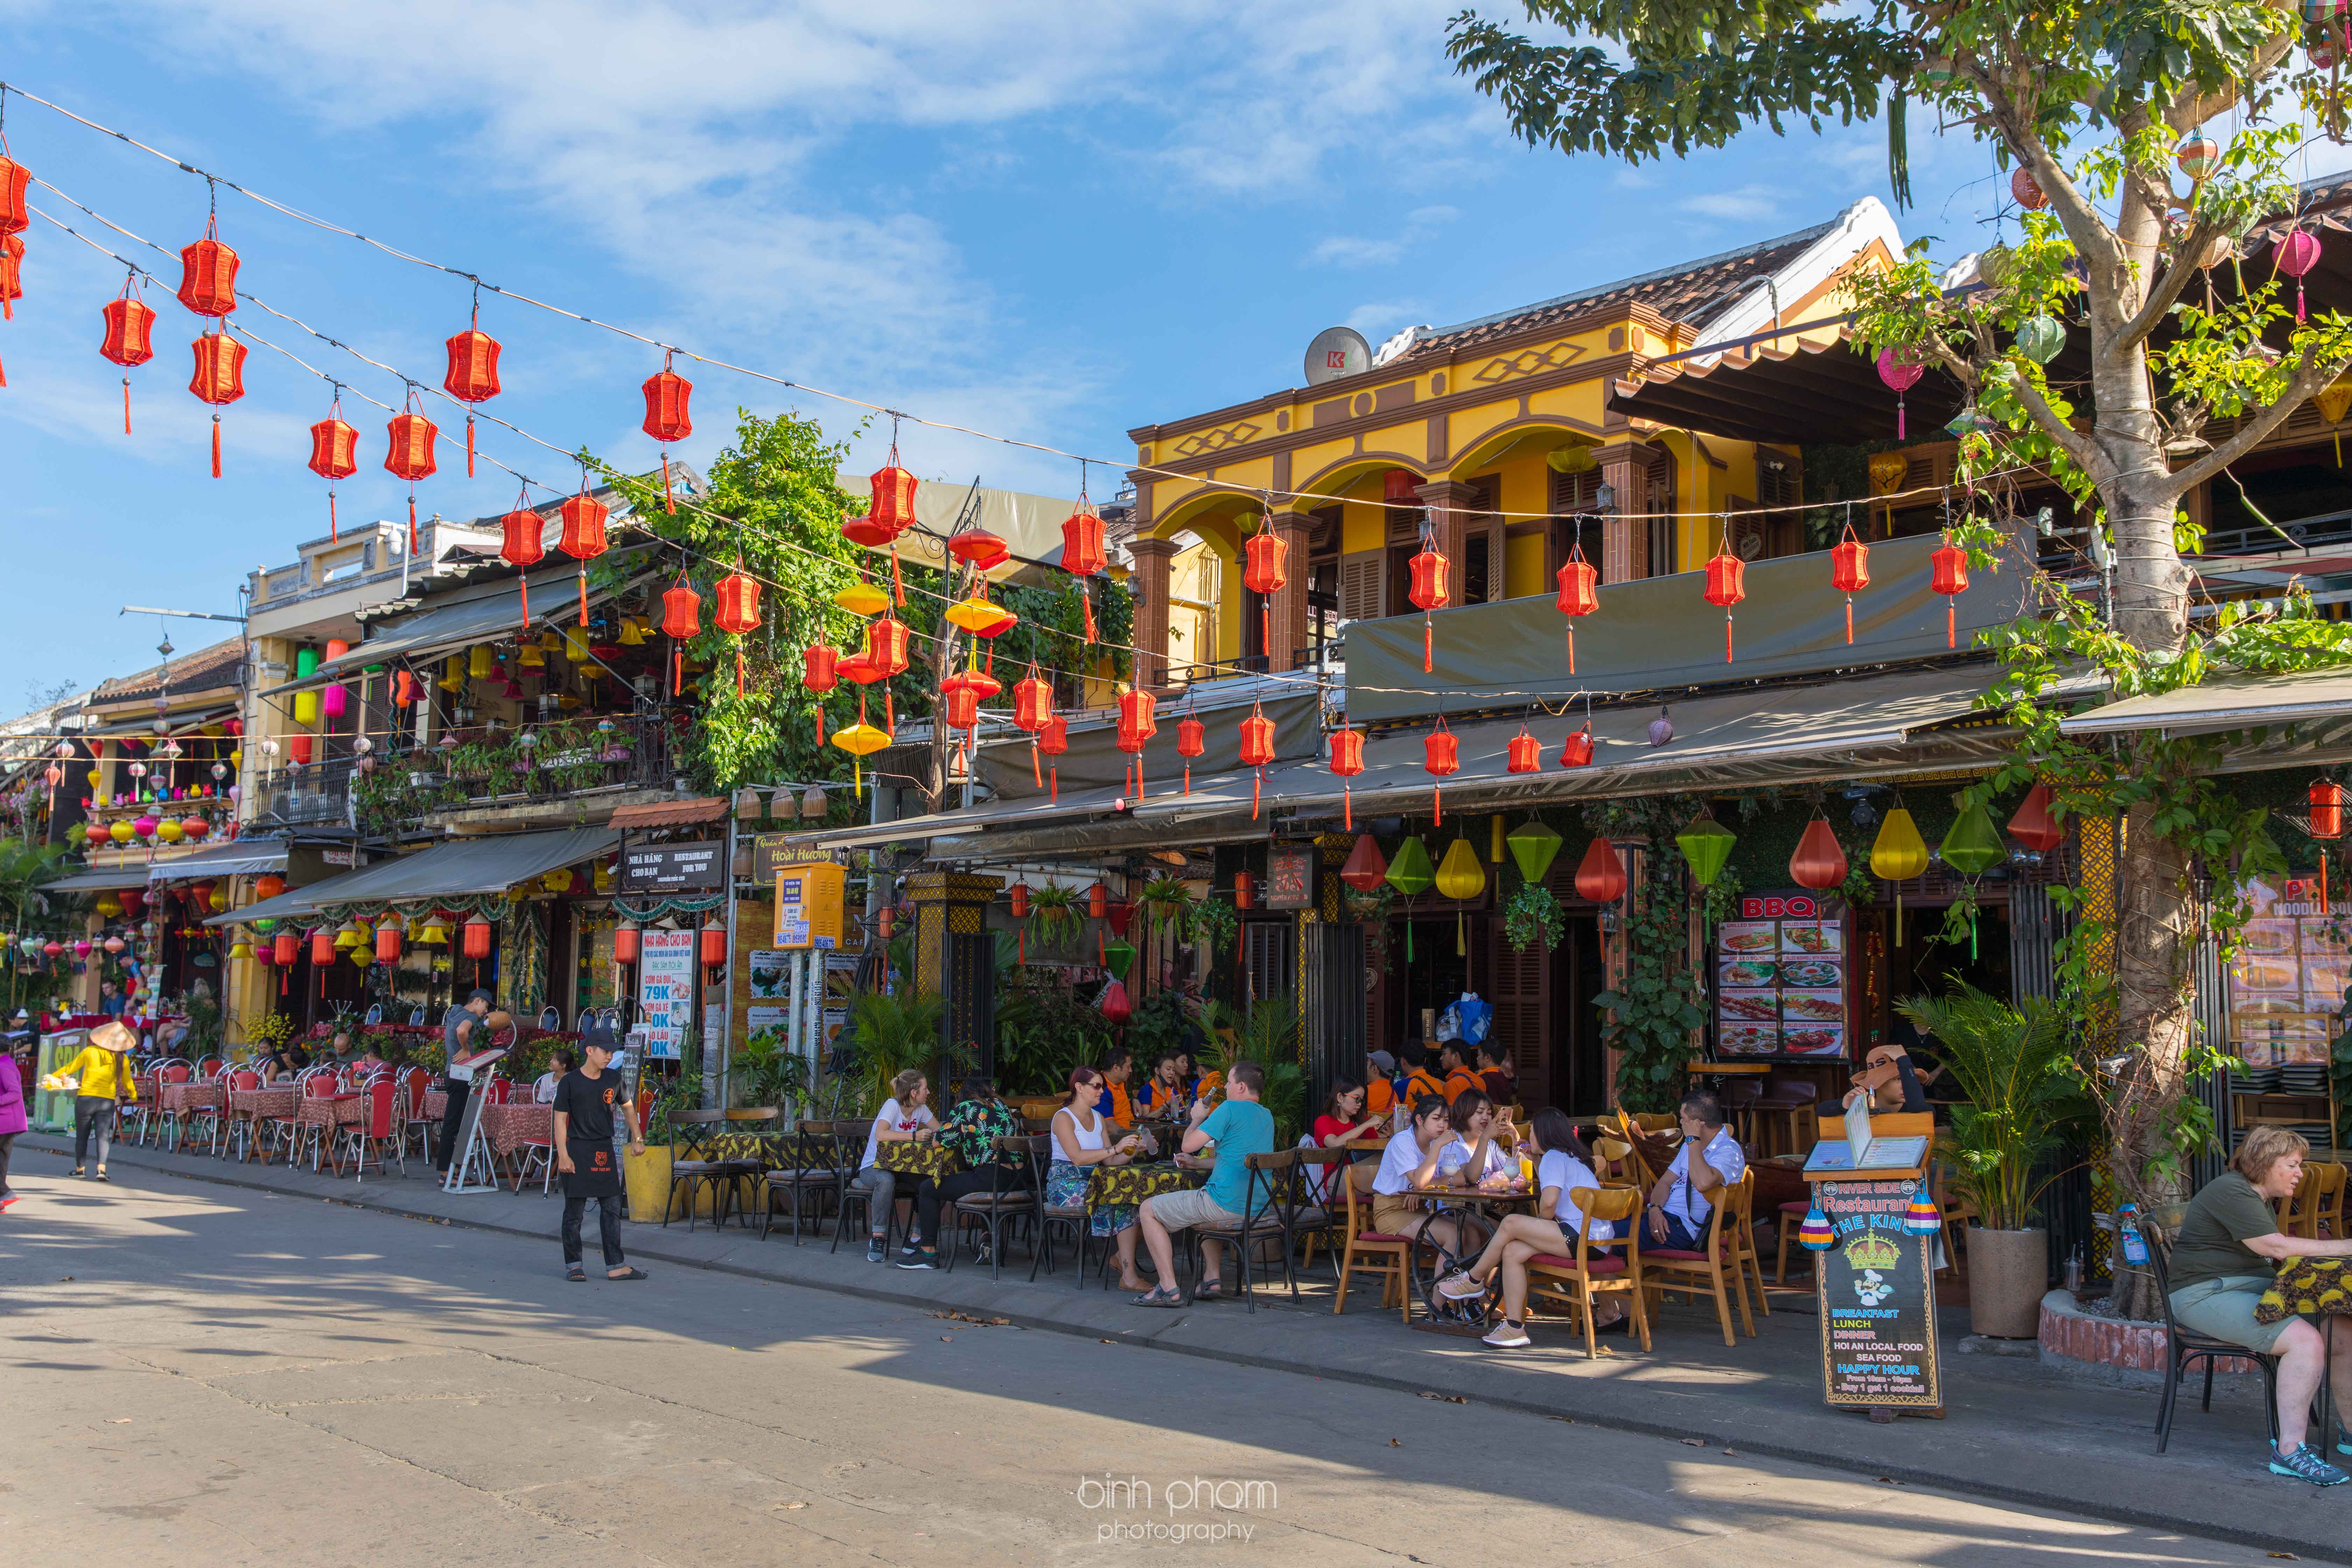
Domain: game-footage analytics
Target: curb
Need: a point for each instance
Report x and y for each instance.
(1605, 1420)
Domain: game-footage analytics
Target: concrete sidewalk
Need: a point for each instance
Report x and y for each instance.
(2014, 1431)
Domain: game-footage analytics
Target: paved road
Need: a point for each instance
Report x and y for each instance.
(217, 1377)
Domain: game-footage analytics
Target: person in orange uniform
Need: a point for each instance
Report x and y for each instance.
(1418, 1079)
(1115, 1102)
(1455, 1071)
(1379, 1086)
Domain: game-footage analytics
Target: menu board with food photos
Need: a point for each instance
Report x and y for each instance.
(1780, 977)
(2288, 980)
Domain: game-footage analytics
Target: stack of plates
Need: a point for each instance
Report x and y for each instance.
(2255, 1080)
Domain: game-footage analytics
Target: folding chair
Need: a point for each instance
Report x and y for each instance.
(377, 1130)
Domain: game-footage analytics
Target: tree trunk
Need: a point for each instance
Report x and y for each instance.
(2153, 932)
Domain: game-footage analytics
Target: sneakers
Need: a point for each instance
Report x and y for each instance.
(1460, 1288)
(1508, 1336)
(910, 1246)
(2306, 1465)
(874, 1250)
(919, 1260)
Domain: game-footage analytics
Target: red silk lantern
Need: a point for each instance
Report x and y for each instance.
(268, 886)
(1115, 1007)
(1428, 592)
(288, 947)
(1726, 585)
(859, 667)
(667, 416)
(387, 942)
(1366, 867)
(1850, 572)
(1601, 874)
(1017, 897)
(334, 455)
(624, 943)
(1579, 581)
(886, 644)
(1083, 556)
(1265, 557)
(1258, 750)
(478, 939)
(2325, 797)
(523, 545)
(736, 611)
(1951, 579)
(409, 455)
(219, 379)
(681, 623)
(961, 706)
(1033, 702)
(1347, 762)
(403, 688)
(1136, 724)
(583, 538)
(130, 340)
(1525, 752)
(978, 548)
(2033, 826)
(1400, 486)
(322, 947)
(12, 275)
(891, 498)
(1053, 741)
(473, 374)
(15, 216)
(1576, 752)
(1441, 756)
(2026, 191)
(1820, 861)
(883, 920)
(1098, 901)
(820, 673)
(1192, 739)
(714, 946)
(208, 274)
(1245, 890)
(2295, 255)
(299, 745)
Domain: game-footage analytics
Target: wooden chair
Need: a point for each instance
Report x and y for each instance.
(1570, 1281)
(1957, 1212)
(2317, 1200)
(1674, 1268)
(1787, 1108)
(1621, 1164)
(1380, 1253)
(2334, 1190)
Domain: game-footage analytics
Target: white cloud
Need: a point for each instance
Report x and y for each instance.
(1374, 320)
(1750, 203)
(1348, 250)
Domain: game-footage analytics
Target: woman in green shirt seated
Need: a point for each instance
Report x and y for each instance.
(2221, 1262)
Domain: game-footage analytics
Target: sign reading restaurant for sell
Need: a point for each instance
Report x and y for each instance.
(696, 867)
(664, 989)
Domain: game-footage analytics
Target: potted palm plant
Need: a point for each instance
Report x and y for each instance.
(2015, 1066)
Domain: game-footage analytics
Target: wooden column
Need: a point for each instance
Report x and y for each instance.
(1288, 618)
(1152, 558)
(1450, 503)
(1625, 541)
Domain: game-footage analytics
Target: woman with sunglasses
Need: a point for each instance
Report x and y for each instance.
(1081, 1142)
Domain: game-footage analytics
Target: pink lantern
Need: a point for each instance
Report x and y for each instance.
(2295, 255)
(1900, 375)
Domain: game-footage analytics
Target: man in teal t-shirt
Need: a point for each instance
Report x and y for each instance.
(1240, 1127)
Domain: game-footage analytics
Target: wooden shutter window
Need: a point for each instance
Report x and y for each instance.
(1363, 586)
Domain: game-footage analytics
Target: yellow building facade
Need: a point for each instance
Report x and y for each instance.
(1494, 439)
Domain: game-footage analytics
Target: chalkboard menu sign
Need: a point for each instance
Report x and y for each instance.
(696, 867)
(1877, 1298)
(1291, 877)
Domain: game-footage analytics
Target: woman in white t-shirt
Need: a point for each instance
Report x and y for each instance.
(1475, 1157)
(1410, 1161)
(904, 1117)
(1557, 1229)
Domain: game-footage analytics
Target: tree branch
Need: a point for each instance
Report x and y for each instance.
(2069, 440)
(2313, 376)
(2094, 242)
(2166, 291)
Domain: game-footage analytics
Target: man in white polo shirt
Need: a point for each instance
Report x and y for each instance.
(1709, 1157)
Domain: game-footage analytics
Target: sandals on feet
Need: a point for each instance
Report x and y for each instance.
(1160, 1297)
(1211, 1291)
(577, 1275)
(631, 1273)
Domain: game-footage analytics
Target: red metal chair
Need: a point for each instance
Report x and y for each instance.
(377, 1128)
(320, 1083)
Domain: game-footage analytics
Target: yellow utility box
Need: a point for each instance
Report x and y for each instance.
(808, 906)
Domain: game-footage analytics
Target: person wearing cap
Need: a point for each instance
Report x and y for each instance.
(1380, 1085)
(457, 1043)
(101, 1074)
(586, 1101)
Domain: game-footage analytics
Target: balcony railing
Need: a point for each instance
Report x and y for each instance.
(404, 787)
(298, 796)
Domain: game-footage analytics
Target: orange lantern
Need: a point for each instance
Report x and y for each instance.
(886, 644)
(473, 374)
(1192, 739)
(1427, 591)
(1245, 890)
(409, 455)
(2325, 797)
(666, 417)
(737, 612)
(1083, 555)
(961, 706)
(624, 943)
(1033, 702)
(289, 948)
(523, 545)
(714, 946)
(583, 538)
(891, 498)
(1053, 741)
(268, 886)
(978, 548)
(820, 672)
(1951, 579)
(1579, 583)
(1525, 752)
(387, 942)
(1264, 555)
(130, 340)
(12, 275)
(1441, 756)
(15, 216)
(681, 611)
(1601, 876)
(1576, 752)
(1258, 750)
(1098, 901)
(1017, 897)
(1346, 761)
(478, 939)
(219, 379)
(1136, 724)
(1820, 861)
(1726, 585)
(208, 274)
(334, 455)
(2033, 826)
(322, 947)
(1849, 573)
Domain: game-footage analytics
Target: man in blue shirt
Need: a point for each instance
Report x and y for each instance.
(1239, 1127)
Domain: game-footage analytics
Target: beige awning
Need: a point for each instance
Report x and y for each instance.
(2238, 699)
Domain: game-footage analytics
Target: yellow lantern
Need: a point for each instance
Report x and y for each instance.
(981, 615)
(93, 778)
(862, 599)
(120, 833)
(237, 757)
(108, 906)
(306, 709)
(478, 660)
(1461, 878)
(349, 936)
(432, 933)
(360, 956)
(1899, 854)
(240, 948)
(532, 659)
(1886, 471)
(558, 881)
(575, 644)
(550, 642)
(632, 631)
(169, 830)
(220, 899)
(453, 673)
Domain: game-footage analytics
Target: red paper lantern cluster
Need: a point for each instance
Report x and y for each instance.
(667, 418)
(1579, 596)
(1348, 760)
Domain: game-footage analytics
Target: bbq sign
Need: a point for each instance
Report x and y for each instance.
(1787, 906)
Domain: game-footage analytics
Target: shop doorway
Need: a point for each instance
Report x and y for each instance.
(1579, 1074)
(1923, 966)
(1429, 975)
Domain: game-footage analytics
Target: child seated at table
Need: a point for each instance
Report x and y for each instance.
(1410, 1161)
(1557, 1226)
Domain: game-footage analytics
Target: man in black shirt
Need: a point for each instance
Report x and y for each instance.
(585, 1104)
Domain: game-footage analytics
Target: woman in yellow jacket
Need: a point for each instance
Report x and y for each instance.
(103, 1072)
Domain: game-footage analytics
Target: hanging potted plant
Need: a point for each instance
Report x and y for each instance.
(1533, 918)
(2014, 1065)
(1054, 912)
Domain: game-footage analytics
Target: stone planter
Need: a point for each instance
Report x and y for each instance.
(2009, 1271)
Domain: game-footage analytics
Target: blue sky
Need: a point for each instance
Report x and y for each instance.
(1051, 220)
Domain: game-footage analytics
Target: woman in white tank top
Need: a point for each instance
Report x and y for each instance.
(1080, 1137)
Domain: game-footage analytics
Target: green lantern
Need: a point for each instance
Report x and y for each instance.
(1706, 845)
(1972, 847)
(1533, 846)
(2041, 338)
(1116, 956)
(1411, 871)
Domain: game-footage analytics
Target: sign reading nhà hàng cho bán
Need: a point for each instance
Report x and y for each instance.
(1877, 1298)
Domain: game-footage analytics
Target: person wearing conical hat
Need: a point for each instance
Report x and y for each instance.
(100, 1077)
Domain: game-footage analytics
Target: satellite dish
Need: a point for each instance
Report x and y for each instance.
(1336, 352)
